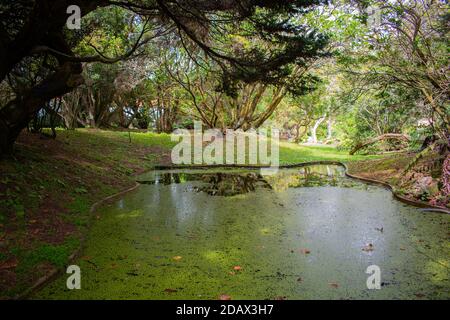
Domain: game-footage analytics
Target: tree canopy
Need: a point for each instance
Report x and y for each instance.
(42, 59)
(365, 68)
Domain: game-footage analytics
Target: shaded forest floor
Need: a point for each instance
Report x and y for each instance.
(48, 187)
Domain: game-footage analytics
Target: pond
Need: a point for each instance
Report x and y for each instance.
(303, 233)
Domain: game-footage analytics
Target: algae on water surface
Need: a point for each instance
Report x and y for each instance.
(300, 234)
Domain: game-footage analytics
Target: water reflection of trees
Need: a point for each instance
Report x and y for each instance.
(216, 184)
(230, 184)
(170, 178)
(226, 184)
(313, 176)
(284, 181)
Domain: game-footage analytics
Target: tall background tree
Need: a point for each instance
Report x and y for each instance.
(41, 59)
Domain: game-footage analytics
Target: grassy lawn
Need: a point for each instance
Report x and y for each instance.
(292, 153)
(47, 188)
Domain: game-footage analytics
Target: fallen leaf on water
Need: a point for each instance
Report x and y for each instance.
(368, 248)
(237, 268)
(333, 285)
(177, 258)
(224, 297)
(170, 290)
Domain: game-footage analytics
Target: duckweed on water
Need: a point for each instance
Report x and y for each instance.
(297, 234)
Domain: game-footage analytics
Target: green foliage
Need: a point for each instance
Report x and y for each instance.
(80, 190)
(57, 255)
(79, 205)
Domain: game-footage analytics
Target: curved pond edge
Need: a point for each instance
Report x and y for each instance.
(421, 204)
(54, 273)
(77, 253)
(415, 203)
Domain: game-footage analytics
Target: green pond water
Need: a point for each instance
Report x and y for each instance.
(304, 233)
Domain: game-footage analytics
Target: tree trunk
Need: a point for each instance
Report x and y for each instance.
(47, 19)
(363, 144)
(278, 96)
(314, 129)
(16, 115)
(297, 133)
(329, 128)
